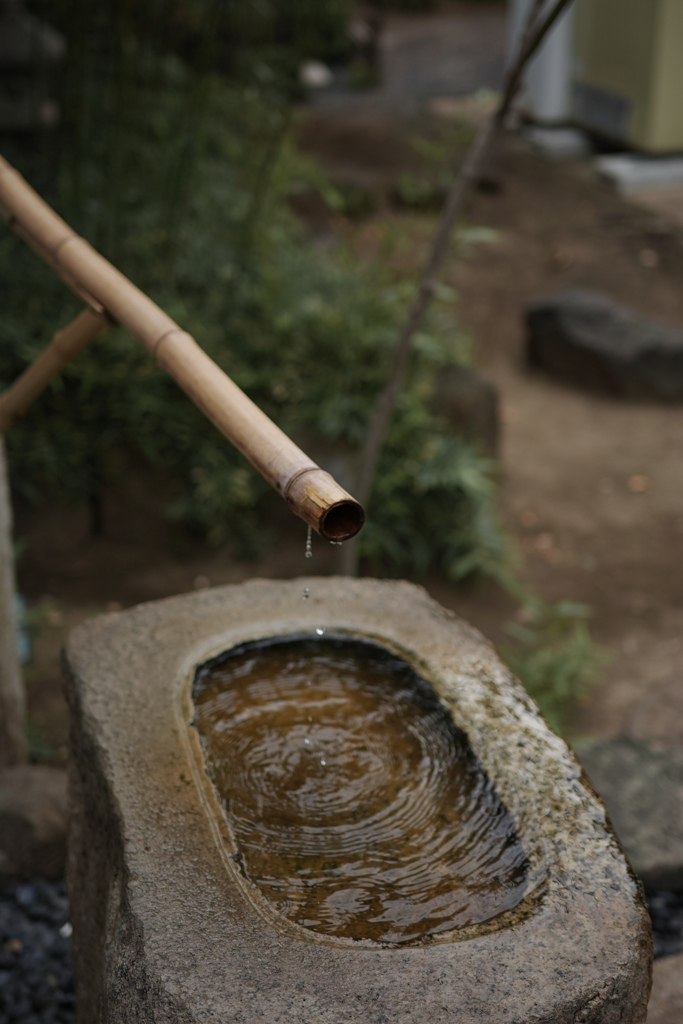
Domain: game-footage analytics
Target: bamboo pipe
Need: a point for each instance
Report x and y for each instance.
(311, 492)
(65, 345)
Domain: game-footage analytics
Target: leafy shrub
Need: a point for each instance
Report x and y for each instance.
(175, 160)
(185, 188)
(554, 656)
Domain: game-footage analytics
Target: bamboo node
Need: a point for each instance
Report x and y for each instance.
(154, 347)
(297, 477)
(67, 238)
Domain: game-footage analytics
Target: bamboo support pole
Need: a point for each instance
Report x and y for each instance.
(311, 492)
(65, 345)
(12, 697)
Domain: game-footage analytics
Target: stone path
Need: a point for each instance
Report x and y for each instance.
(426, 56)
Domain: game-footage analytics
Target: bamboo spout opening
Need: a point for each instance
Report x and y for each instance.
(342, 521)
(317, 497)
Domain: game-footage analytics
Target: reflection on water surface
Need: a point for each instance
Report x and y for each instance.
(357, 807)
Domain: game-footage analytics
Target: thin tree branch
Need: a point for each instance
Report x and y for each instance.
(535, 29)
(535, 32)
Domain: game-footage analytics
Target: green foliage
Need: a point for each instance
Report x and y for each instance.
(554, 656)
(418, 192)
(185, 186)
(309, 28)
(431, 507)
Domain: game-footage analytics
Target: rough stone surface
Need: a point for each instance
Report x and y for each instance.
(585, 339)
(166, 928)
(642, 786)
(33, 822)
(469, 404)
(666, 1001)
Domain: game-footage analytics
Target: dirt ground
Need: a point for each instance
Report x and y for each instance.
(590, 487)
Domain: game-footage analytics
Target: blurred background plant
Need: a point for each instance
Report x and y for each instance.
(554, 656)
(174, 156)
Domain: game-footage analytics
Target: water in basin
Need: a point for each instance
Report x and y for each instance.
(357, 807)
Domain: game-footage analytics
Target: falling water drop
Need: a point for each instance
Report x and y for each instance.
(320, 631)
(307, 593)
(308, 553)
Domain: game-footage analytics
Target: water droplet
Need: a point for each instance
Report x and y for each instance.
(307, 593)
(308, 553)
(320, 631)
(307, 742)
(336, 543)
(323, 761)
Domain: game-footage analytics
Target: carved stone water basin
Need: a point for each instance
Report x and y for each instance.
(335, 809)
(355, 805)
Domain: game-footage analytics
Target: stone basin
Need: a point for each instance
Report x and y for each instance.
(167, 928)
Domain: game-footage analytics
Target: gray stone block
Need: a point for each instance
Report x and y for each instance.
(633, 172)
(642, 786)
(33, 822)
(166, 928)
(585, 339)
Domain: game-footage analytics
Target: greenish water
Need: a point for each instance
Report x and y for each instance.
(357, 807)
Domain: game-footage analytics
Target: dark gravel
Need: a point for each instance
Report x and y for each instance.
(666, 911)
(36, 983)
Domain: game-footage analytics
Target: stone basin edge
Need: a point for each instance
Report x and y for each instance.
(486, 701)
(536, 883)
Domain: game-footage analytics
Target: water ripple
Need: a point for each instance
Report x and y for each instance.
(358, 807)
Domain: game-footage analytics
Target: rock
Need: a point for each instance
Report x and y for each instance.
(167, 928)
(666, 1000)
(33, 822)
(666, 912)
(585, 339)
(469, 404)
(642, 786)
